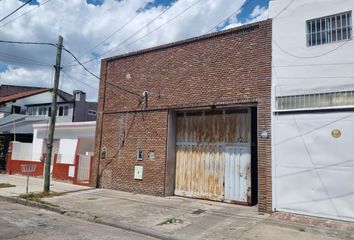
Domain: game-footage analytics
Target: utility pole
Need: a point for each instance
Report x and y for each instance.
(52, 119)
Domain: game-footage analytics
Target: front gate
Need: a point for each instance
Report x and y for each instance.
(237, 174)
(213, 155)
(83, 169)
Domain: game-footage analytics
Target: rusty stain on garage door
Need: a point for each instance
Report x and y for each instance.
(200, 155)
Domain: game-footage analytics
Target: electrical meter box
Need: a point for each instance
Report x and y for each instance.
(138, 172)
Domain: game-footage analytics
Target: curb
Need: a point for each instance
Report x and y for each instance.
(143, 231)
(32, 204)
(89, 218)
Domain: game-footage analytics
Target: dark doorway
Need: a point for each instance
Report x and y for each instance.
(16, 109)
(254, 156)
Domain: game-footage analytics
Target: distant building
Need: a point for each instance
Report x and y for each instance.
(21, 107)
(76, 109)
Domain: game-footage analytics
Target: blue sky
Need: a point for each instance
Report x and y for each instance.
(243, 15)
(85, 29)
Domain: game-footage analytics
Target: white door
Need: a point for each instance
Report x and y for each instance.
(237, 174)
(84, 168)
(314, 164)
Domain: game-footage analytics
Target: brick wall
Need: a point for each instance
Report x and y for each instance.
(221, 69)
(61, 171)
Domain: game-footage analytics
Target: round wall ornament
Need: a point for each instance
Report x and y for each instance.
(336, 133)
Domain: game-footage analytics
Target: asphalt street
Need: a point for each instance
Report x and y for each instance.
(21, 222)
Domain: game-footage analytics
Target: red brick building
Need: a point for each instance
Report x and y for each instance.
(196, 131)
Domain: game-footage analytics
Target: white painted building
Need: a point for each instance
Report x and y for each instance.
(70, 139)
(313, 107)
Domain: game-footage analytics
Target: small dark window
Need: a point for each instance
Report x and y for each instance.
(92, 112)
(61, 110)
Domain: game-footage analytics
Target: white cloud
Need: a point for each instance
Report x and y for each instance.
(84, 25)
(257, 14)
(258, 11)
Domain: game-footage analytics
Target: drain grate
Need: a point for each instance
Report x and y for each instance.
(198, 211)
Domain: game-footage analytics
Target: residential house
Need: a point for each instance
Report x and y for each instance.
(190, 118)
(22, 107)
(313, 117)
(72, 151)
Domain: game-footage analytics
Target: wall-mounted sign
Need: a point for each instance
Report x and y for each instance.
(336, 133)
(264, 134)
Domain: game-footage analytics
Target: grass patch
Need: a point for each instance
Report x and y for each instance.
(37, 197)
(6, 185)
(170, 221)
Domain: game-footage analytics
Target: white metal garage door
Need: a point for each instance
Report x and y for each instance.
(213, 156)
(314, 164)
(237, 173)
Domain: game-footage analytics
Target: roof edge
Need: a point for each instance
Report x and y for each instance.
(190, 40)
(67, 124)
(22, 95)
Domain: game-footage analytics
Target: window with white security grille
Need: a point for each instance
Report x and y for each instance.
(315, 101)
(329, 29)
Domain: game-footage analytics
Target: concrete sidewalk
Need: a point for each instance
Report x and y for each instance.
(184, 218)
(35, 185)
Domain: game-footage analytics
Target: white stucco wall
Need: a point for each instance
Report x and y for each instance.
(69, 136)
(311, 169)
(37, 146)
(23, 151)
(289, 33)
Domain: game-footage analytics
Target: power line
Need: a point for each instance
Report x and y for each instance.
(314, 64)
(124, 89)
(33, 9)
(285, 8)
(308, 57)
(171, 19)
(28, 43)
(232, 14)
(297, 56)
(65, 49)
(301, 135)
(19, 63)
(72, 78)
(318, 77)
(111, 35)
(15, 10)
(30, 61)
(133, 35)
(83, 66)
(94, 75)
(238, 9)
(130, 37)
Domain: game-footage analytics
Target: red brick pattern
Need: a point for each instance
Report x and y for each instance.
(228, 68)
(61, 171)
(14, 167)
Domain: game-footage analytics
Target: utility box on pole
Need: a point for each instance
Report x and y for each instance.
(53, 115)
